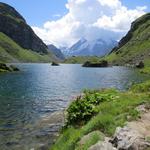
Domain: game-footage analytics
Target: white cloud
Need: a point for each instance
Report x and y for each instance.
(57, 15)
(91, 19)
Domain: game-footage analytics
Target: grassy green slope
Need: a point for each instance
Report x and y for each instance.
(137, 44)
(12, 52)
(81, 59)
(101, 110)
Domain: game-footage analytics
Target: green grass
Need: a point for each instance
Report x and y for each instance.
(143, 87)
(146, 69)
(10, 13)
(93, 139)
(91, 113)
(81, 59)
(138, 47)
(2, 70)
(12, 52)
(114, 110)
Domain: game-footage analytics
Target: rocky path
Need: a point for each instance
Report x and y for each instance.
(134, 136)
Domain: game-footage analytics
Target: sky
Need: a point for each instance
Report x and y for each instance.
(64, 22)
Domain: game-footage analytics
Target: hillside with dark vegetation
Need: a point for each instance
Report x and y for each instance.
(18, 42)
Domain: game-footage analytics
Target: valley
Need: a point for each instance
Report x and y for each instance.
(90, 92)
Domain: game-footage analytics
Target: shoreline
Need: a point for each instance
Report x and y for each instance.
(76, 130)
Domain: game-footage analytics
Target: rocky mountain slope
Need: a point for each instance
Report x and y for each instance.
(56, 51)
(12, 52)
(18, 41)
(97, 47)
(135, 46)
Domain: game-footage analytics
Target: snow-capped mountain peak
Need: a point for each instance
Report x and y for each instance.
(97, 47)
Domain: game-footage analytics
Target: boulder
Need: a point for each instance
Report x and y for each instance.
(87, 137)
(140, 65)
(127, 138)
(4, 67)
(14, 68)
(55, 64)
(103, 145)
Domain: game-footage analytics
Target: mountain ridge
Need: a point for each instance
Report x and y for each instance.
(135, 46)
(96, 47)
(58, 53)
(14, 25)
(19, 43)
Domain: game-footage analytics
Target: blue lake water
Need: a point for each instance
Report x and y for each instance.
(41, 89)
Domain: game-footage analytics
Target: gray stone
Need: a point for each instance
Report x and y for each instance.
(140, 64)
(88, 136)
(103, 145)
(127, 138)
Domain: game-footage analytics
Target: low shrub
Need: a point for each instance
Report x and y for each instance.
(83, 108)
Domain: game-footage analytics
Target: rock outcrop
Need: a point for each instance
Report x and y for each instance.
(140, 65)
(134, 46)
(103, 145)
(86, 138)
(55, 64)
(6, 68)
(135, 135)
(102, 63)
(127, 138)
(134, 26)
(14, 26)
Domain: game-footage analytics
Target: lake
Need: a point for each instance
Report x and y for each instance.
(38, 90)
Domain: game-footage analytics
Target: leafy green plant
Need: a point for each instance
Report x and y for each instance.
(83, 108)
(116, 109)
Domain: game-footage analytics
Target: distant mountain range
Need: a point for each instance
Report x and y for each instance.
(84, 47)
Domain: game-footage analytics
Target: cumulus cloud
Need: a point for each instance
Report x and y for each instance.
(90, 19)
(57, 15)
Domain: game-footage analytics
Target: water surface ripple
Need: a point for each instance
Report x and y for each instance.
(38, 90)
